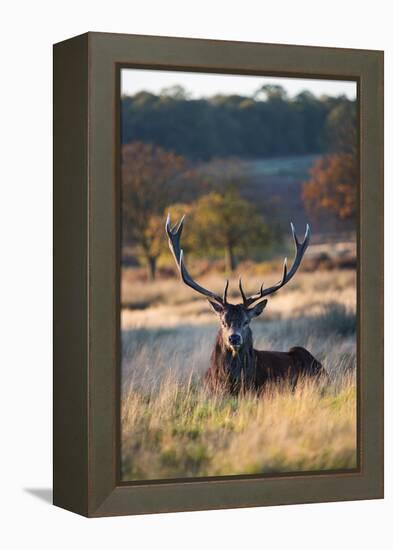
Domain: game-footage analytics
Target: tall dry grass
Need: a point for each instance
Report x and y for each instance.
(181, 431)
(172, 428)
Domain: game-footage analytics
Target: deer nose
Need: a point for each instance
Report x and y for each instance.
(235, 340)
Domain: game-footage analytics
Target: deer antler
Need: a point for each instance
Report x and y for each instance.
(286, 275)
(174, 235)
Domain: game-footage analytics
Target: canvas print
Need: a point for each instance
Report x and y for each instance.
(238, 275)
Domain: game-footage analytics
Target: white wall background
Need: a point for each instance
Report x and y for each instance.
(27, 31)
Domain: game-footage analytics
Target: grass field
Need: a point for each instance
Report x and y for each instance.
(172, 428)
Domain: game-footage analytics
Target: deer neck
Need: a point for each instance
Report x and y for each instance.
(235, 366)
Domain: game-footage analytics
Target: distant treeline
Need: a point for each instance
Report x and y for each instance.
(266, 125)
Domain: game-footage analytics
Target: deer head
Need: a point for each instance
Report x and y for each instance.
(234, 318)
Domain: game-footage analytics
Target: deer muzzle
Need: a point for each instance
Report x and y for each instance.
(235, 341)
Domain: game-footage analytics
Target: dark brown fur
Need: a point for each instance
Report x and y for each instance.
(251, 370)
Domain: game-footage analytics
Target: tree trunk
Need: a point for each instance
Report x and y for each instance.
(151, 267)
(230, 260)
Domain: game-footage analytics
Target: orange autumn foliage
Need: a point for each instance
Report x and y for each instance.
(332, 185)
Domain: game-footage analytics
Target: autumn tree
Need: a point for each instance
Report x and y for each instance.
(333, 178)
(225, 222)
(332, 185)
(150, 182)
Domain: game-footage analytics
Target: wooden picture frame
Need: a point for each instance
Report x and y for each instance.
(87, 260)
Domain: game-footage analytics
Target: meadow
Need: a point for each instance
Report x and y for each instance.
(172, 428)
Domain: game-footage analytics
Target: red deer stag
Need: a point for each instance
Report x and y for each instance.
(235, 364)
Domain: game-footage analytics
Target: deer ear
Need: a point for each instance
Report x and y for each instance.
(257, 310)
(217, 308)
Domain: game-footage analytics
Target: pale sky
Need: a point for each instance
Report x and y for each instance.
(206, 85)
